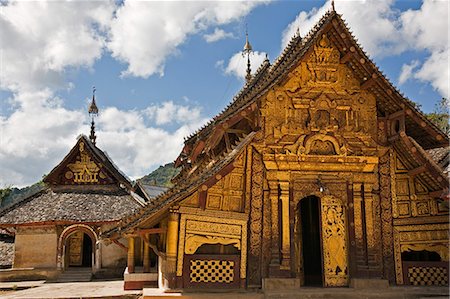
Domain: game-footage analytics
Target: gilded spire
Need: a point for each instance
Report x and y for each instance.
(247, 51)
(93, 111)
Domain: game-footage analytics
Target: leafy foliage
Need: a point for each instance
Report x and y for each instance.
(161, 176)
(440, 116)
(10, 195)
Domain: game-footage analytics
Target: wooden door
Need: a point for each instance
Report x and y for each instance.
(334, 242)
(76, 249)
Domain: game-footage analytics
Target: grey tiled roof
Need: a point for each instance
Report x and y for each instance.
(49, 206)
(441, 156)
(153, 191)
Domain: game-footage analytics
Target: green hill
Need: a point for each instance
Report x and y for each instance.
(9, 195)
(161, 176)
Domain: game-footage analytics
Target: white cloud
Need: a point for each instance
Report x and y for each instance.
(436, 71)
(145, 34)
(137, 147)
(372, 22)
(217, 35)
(383, 30)
(407, 71)
(42, 41)
(39, 40)
(237, 65)
(34, 135)
(40, 132)
(169, 112)
(427, 29)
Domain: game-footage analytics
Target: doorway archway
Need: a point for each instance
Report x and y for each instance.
(309, 236)
(77, 247)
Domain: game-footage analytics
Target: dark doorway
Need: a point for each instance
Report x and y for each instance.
(87, 251)
(312, 253)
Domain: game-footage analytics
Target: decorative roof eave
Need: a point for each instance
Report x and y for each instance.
(98, 155)
(160, 205)
(266, 77)
(57, 222)
(269, 75)
(384, 86)
(421, 164)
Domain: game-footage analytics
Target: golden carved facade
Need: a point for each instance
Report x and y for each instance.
(227, 193)
(320, 135)
(84, 170)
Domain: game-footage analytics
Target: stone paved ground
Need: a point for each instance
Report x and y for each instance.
(93, 289)
(114, 289)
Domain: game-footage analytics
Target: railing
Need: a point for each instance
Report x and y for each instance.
(425, 273)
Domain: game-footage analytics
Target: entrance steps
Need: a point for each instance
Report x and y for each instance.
(75, 275)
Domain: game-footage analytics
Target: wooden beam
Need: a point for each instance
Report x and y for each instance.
(440, 193)
(396, 114)
(236, 131)
(346, 58)
(418, 170)
(120, 244)
(153, 230)
(368, 83)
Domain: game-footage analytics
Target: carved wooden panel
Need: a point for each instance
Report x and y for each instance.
(386, 216)
(321, 97)
(256, 220)
(191, 201)
(76, 249)
(334, 242)
(227, 194)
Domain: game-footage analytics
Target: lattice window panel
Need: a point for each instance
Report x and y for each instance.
(425, 276)
(211, 271)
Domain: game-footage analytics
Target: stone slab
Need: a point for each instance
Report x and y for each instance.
(362, 283)
(280, 284)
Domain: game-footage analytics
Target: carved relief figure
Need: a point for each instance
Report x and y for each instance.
(334, 242)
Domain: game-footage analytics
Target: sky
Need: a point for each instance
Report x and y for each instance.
(162, 69)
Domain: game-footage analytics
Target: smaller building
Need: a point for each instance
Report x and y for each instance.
(60, 227)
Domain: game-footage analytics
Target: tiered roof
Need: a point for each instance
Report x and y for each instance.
(389, 100)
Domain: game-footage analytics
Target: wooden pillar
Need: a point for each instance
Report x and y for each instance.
(146, 255)
(275, 244)
(286, 238)
(130, 254)
(171, 248)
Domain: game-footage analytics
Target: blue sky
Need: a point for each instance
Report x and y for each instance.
(162, 69)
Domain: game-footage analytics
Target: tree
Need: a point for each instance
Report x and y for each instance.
(440, 115)
(4, 193)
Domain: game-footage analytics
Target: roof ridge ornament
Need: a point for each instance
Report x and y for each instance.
(247, 51)
(93, 111)
(332, 5)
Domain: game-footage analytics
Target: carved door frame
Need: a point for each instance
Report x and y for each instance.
(332, 196)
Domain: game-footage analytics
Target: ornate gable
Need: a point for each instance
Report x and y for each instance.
(84, 165)
(320, 108)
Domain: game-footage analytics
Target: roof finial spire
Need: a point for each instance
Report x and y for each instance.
(247, 50)
(332, 5)
(93, 111)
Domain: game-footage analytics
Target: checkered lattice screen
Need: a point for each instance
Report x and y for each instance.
(211, 271)
(421, 276)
